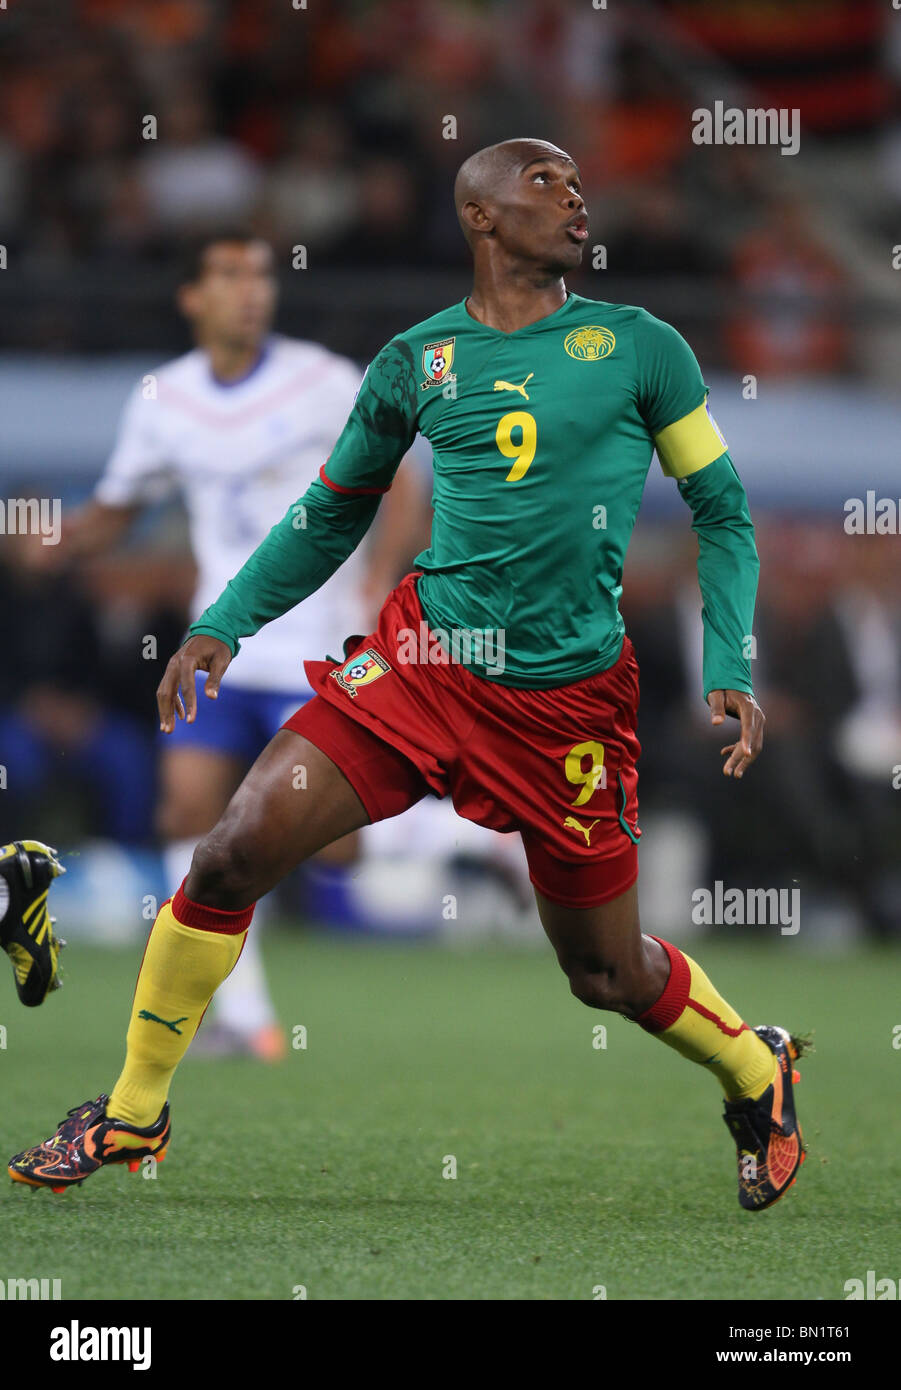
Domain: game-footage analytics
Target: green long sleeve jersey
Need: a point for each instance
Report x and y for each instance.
(542, 440)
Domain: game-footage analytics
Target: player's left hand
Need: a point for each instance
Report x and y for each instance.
(744, 707)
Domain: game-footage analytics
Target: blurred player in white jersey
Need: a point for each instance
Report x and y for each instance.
(240, 426)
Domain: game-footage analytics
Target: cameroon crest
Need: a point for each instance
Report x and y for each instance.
(437, 360)
(590, 343)
(362, 669)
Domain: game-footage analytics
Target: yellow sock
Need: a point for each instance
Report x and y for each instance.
(691, 1017)
(183, 966)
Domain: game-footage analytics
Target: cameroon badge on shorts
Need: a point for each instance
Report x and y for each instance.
(362, 669)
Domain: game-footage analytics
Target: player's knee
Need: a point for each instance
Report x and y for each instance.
(224, 869)
(600, 984)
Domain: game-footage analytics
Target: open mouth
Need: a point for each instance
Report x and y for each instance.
(578, 228)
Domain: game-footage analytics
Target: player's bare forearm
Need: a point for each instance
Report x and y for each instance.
(90, 530)
(95, 527)
(744, 707)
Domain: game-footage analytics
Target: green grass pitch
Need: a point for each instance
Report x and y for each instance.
(577, 1167)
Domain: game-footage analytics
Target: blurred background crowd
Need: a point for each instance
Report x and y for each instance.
(126, 129)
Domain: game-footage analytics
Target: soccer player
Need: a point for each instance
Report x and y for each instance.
(543, 409)
(239, 426)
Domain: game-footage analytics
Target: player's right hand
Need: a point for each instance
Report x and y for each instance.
(197, 654)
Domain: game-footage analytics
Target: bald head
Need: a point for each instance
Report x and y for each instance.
(485, 173)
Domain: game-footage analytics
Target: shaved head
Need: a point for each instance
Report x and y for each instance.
(521, 209)
(485, 173)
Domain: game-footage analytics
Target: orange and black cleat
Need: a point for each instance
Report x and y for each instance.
(766, 1131)
(86, 1140)
(27, 869)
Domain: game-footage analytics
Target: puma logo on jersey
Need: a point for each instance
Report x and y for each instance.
(509, 386)
(572, 824)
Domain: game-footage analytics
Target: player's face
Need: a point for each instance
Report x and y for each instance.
(539, 211)
(233, 301)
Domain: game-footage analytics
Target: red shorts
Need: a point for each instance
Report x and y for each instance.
(557, 765)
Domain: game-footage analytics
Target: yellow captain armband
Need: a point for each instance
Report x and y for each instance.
(689, 444)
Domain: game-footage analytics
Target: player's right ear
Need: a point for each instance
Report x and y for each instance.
(475, 219)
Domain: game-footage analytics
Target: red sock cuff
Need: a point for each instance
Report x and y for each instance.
(674, 998)
(192, 914)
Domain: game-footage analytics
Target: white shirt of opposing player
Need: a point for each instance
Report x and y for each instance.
(241, 454)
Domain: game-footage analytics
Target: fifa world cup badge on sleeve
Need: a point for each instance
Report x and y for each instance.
(362, 669)
(437, 360)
